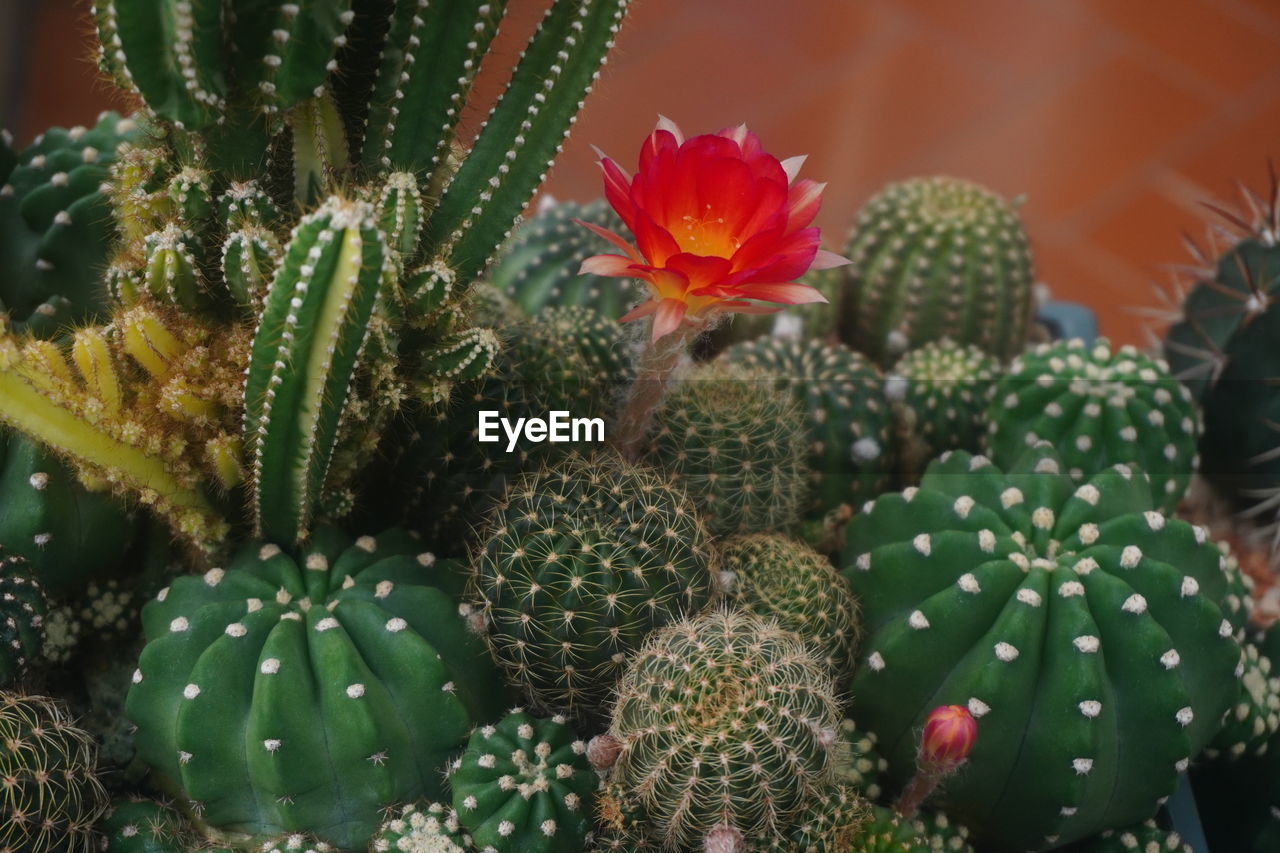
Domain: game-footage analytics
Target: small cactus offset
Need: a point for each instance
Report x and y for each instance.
(137, 825)
(22, 612)
(940, 393)
(577, 565)
(1145, 837)
(302, 694)
(1255, 716)
(776, 578)
(51, 796)
(734, 694)
(932, 258)
(886, 831)
(857, 762)
(736, 445)
(429, 828)
(524, 784)
(1099, 406)
(848, 421)
(1063, 616)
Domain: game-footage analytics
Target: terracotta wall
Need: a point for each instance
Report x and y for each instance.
(1114, 118)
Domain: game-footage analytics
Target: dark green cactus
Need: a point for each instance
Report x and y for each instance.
(430, 828)
(935, 257)
(940, 394)
(524, 784)
(1069, 618)
(578, 564)
(1099, 407)
(1255, 716)
(733, 693)
(51, 796)
(1145, 837)
(538, 265)
(857, 762)
(137, 825)
(848, 421)
(776, 578)
(735, 443)
(887, 831)
(22, 612)
(302, 695)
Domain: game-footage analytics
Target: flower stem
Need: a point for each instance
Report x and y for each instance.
(916, 792)
(657, 364)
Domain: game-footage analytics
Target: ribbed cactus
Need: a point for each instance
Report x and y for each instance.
(940, 393)
(1223, 347)
(1099, 406)
(848, 421)
(1255, 716)
(735, 443)
(932, 258)
(137, 825)
(51, 797)
(429, 828)
(886, 831)
(577, 565)
(524, 784)
(829, 822)
(22, 612)
(1145, 837)
(538, 264)
(776, 578)
(303, 693)
(1069, 618)
(725, 721)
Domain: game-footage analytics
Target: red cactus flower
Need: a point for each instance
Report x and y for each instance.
(949, 735)
(719, 225)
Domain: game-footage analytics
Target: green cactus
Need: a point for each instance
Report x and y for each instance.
(137, 825)
(22, 612)
(1255, 716)
(776, 578)
(935, 257)
(55, 225)
(848, 421)
(1068, 619)
(51, 797)
(889, 832)
(578, 564)
(828, 823)
(735, 442)
(940, 394)
(538, 264)
(524, 784)
(249, 704)
(432, 828)
(1099, 407)
(1222, 347)
(724, 720)
(1145, 837)
(857, 762)
(295, 842)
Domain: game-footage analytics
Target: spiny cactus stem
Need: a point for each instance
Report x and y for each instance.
(657, 365)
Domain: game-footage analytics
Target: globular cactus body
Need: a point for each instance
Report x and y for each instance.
(22, 611)
(935, 257)
(429, 828)
(1146, 837)
(136, 825)
(302, 695)
(1069, 619)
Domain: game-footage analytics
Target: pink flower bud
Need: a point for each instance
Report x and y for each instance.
(949, 734)
(603, 751)
(724, 839)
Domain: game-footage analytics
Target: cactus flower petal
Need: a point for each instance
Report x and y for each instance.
(948, 738)
(719, 224)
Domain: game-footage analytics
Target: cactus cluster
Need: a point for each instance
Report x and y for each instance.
(430, 828)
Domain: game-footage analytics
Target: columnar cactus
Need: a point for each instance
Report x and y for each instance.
(848, 422)
(22, 612)
(429, 828)
(302, 694)
(524, 784)
(1099, 407)
(940, 393)
(776, 578)
(1067, 617)
(736, 444)
(935, 257)
(577, 565)
(51, 796)
(738, 696)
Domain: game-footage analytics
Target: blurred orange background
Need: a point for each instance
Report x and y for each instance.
(1114, 119)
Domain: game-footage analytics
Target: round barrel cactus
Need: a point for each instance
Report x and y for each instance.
(430, 828)
(1099, 406)
(848, 420)
(524, 784)
(735, 694)
(736, 444)
(1086, 631)
(302, 693)
(579, 563)
(137, 825)
(50, 794)
(776, 578)
(22, 613)
(932, 258)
